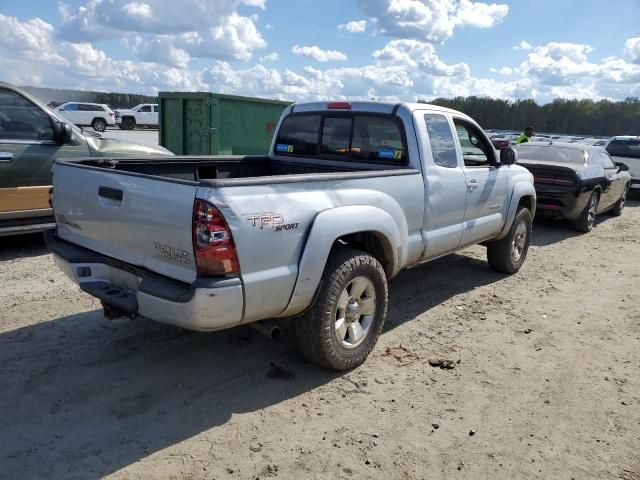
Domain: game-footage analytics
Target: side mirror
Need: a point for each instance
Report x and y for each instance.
(622, 167)
(64, 133)
(508, 156)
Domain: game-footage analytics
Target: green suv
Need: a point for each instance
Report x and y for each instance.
(31, 137)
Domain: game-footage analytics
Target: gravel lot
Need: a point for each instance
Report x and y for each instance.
(547, 384)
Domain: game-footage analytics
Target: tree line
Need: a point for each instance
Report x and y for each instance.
(573, 117)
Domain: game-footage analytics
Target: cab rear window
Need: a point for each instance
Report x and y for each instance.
(369, 138)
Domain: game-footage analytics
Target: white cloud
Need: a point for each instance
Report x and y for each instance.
(632, 47)
(431, 20)
(480, 14)
(319, 54)
(419, 55)
(197, 28)
(272, 57)
(355, 26)
(523, 45)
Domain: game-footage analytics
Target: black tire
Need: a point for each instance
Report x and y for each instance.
(99, 124)
(128, 123)
(617, 209)
(508, 254)
(587, 219)
(317, 331)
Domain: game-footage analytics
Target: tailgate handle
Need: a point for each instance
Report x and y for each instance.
(112, 193)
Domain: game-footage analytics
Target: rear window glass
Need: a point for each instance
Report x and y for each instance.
(336, 136)
(550, 154)
(353, 137)
(298, 135)
(624, 148)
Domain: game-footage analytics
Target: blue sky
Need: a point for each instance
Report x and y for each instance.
(318, 49)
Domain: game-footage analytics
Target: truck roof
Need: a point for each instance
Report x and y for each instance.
(369, 106)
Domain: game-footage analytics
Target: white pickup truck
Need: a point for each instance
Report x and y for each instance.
(349, 195)
(143, 115)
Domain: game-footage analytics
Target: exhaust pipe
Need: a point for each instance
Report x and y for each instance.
(268, 329)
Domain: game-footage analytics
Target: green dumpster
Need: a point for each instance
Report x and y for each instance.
(204, 123)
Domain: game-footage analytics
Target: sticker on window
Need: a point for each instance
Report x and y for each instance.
(390, 153)
(284, 148)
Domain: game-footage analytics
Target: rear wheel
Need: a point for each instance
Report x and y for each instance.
(616, 211)
(587, 218)
(345, 321)
(508, 255)
(99, 124)
(128, 123)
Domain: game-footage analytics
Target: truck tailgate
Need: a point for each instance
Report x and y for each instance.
(143, 221)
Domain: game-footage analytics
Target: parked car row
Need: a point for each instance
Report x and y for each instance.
(575, 181)
(100, 116)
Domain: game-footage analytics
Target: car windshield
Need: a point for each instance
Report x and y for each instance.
(551, 154)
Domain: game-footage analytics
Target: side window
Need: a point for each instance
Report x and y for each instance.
(441, 140)
(156, 109)
(606, 161)
(72, 107)
(22, 120)
(336, 134)
(146, 109)
(83, 107)
(475, 149)
(299, 135)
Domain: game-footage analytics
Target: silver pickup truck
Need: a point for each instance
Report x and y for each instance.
(350, 194)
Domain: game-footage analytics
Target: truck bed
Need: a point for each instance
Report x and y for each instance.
(235, 170)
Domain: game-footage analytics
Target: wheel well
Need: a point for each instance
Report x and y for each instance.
(526, 202)
(374, 243)
(98, 118)
(129, 116)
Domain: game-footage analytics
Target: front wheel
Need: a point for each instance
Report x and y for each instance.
(345, 321)
(99, 124)
(508, 255)
(616, 211)
(128, 123)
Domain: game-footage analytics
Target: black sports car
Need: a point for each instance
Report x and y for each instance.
(575, 182)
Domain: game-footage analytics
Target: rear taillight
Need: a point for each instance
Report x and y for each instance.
(213, 245)
(565, 182)
(111, 114)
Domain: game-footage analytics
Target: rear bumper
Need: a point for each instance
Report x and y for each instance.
(561, 204)
(205, 305)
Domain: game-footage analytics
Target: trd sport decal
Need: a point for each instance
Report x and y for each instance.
(273, 221)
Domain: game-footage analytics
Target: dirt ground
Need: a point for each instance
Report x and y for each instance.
(546, 381)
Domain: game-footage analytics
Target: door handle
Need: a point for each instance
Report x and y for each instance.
(6, 157)
(110, 193)
(472, 185)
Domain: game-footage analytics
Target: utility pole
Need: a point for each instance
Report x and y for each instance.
(515, 110)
